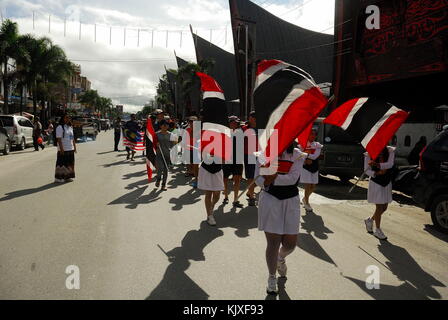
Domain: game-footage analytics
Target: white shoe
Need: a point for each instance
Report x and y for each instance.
(59, 181)
(272, 285)
(282, 268)
(211, 220)
(379, 234)
(306, 205)
(369, 225)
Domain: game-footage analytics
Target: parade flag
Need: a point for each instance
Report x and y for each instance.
(216, 137)
(151, 145)
(371, 122)
(287, 101)
(134, 140)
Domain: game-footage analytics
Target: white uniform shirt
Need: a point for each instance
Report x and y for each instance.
(66, 136)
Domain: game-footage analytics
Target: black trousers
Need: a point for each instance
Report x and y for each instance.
(117, 140)
(36, 145)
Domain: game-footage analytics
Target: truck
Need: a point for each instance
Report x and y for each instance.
(84, 128)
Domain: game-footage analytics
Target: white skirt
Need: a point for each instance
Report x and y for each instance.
(378, 194)
(308, 177)
(278, 216)
(210, 181)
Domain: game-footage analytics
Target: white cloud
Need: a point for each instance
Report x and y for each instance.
(133, 83)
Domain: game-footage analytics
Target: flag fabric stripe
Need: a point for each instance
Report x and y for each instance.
(272, 93)
(359, 103)
(267, 70)
(371, 112)
(306, 109)
(278, 113)
(371, 122)
(208, 126)
(135, 145)
(213, 94)
(287, 102)
(385, 132)
(214, 116)
(377, 125)
(151, 143)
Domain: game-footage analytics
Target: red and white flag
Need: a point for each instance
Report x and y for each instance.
(215, 136)
(371, 122)
(287, 101)
(151, 145)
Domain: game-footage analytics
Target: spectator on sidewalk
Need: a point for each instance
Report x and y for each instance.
(37, 135)
(65, 163)
(117, 132)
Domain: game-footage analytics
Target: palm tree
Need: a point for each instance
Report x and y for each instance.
(10, 48)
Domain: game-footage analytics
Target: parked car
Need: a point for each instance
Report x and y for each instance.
(84, 128)
(20, 130)
(428, 183)
(5, 144)
(341, 156)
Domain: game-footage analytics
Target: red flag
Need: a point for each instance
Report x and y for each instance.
(287, 102)
(371, 122)
(151, 144)
(215, 136)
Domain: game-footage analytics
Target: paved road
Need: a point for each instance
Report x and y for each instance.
(131, 241)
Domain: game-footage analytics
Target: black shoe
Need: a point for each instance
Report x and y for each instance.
(157, 184)
(127, 157)
(252, 202)
(237, 204)
(225, 201)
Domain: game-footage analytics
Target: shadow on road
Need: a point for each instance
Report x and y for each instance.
(134, 175)
(309, 244)
(337, 190)
(418, 284)
(176, 284)
(106, 152)
(191, 197)
(27, 192)
(439, 235)
(135, 198)
(242, 221)
(313, 223)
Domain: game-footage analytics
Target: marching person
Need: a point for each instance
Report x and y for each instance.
(166, 140)
(132, 128)
(234, 169)
(191, 150)
(211, 180)
(279, 212)
(117, 132)
(50, 130)
(251, 138)
(310, 173)
(65, 163)
(37, 135)
(380, 187)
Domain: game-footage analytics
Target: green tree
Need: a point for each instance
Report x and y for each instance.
(10, 48)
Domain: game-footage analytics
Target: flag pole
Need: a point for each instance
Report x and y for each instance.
(163, 157)
(364, 174)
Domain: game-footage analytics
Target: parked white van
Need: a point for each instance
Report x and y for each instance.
(20, 130)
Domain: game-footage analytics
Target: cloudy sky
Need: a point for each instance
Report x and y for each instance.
(124, 62)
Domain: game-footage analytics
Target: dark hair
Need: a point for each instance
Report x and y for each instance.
(290, 149)
(384, 155)
(252, 114)
(163, 122)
